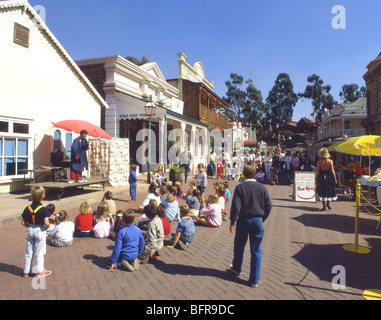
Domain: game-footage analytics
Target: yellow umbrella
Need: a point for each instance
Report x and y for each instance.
(361, 146)
(333, 146)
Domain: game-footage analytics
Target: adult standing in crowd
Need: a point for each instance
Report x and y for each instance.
(185, 161)
(325, 179)
(212, 160)
(251, 206)
(78, 157)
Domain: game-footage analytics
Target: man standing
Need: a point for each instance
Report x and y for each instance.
(185, 161)
(251, 206)
(78, 157)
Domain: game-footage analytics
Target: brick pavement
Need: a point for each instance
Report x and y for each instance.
(300, 248)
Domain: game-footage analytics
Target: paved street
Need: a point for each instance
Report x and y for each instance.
(300, 248)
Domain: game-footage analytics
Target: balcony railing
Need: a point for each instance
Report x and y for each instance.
(213, 117)
(340, 133)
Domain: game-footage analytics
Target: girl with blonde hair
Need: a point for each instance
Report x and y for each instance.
(325, 179)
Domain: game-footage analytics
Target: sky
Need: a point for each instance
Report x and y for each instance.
(254, 38)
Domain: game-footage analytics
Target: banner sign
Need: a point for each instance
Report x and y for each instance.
(304, 184)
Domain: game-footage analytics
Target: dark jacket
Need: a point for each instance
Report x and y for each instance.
(251, 199)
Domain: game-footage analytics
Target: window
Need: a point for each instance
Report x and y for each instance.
(14, 147)
(57, 141)
(347, 124)
(13, 156)
(68, 145)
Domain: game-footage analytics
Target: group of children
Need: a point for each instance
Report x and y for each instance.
(135, 243)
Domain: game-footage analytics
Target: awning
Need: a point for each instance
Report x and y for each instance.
(250, 143)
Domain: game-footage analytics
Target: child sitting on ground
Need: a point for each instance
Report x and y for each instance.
(185, 231)
(129, 244)
(62, 234)
(107, 198)
(84, 222)
(118, 224)
(211, 212)
(166, 226)
(227, 192)
(273, 179)
(179, 191)
(155, 178)
(52, 219)
(221, 201)
(260, 176)
(155, 233)
(104, 222)
(163, 191)
(195, 204)
(171, 207)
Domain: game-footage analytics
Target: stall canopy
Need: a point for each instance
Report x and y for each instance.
(78, 125)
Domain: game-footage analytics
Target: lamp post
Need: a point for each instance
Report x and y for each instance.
(150, 111)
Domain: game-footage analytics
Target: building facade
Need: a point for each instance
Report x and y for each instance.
(200, 102)
(39, 84)
(342, 122)
(127, 88)
(372, 78)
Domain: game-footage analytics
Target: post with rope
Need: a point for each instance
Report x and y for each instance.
(356, 248)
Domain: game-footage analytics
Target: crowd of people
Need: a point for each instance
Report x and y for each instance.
(137, 241)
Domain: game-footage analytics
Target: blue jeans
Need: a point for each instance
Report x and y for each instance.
(212, 168)
(133, 191)
(186, 171)
(254, 229)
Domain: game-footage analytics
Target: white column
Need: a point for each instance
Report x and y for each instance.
(111, 121)
(192, 147)
(162, 143)
(184, 140)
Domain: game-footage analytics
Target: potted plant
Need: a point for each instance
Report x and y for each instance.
(176, 174)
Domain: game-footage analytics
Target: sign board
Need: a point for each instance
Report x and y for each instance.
(305, 189)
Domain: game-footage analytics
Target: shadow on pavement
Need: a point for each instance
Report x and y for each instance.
(339, 223)
(321, 259)
(186, 270)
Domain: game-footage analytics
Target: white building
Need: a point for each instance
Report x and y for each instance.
(127, 87)
(39, 84)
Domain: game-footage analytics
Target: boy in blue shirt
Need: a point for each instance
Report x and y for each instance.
(132, 181)
(185, 231)
(129, 244)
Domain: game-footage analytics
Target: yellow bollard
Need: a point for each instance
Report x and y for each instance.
(356, 248)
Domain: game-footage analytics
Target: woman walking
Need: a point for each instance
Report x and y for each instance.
(325, 179)
(251, 205)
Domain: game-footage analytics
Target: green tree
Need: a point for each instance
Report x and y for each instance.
(351, 92)
(280, 102)
(137, 61)
(235, 97)
(320, 96)
(245, 100)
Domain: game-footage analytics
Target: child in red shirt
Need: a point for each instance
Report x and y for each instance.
(84, 222)
(160, 211)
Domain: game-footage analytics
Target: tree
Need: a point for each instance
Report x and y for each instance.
(136, 61)
(352, 92)
(320, 96)
(254, 107)
(235, 97)
(281, 101)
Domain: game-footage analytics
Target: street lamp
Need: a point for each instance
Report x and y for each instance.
(150, 111)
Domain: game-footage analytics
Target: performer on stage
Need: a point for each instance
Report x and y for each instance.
(78, 157)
